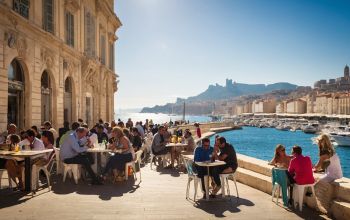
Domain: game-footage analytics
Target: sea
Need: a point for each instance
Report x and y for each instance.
(158, 118)
(261, 142)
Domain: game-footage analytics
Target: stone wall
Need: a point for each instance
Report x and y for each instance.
(333, 199)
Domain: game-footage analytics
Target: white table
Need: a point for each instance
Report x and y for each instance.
(173, 147)
(97, 152)
(208, 165)
(28, 155)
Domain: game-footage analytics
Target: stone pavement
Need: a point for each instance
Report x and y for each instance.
(160, 195)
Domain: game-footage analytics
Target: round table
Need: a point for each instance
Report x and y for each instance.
(209, 164)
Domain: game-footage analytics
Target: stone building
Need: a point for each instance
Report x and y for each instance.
(296, 106)
(57, 61)
(264, 106)
(341, 83)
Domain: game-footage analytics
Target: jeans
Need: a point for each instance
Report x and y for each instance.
(84, 160)
(216, 171)
(117, 161)
(201, 172)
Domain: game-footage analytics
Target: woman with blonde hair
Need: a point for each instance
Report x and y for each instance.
(328, 161)
(281, 159)
(122, 153)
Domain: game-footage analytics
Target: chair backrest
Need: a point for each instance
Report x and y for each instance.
(138, 155)
(279, 176)
(57, 153)
(189, 166)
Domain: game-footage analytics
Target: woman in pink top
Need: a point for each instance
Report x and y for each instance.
(300, 167)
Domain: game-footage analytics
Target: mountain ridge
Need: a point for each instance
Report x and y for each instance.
(218, 92)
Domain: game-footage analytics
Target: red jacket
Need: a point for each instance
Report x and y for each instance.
(300, 168)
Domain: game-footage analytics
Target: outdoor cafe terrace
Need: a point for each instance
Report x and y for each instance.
(160, 195)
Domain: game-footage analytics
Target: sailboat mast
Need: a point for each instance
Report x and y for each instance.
(184, 111)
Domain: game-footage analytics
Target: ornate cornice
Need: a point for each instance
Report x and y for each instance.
(112, 37)
(89, 67)
(16, 41)
(72, 5)
(47, 57)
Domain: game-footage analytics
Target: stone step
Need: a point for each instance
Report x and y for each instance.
(342, 189)
(340, 210)
(254, 179)
(253, 164)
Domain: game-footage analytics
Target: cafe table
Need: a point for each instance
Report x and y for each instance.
(27, 155)
(97, 150)
(173, 147)
(209, 164)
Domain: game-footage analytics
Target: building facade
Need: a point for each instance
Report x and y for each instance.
(57, 61)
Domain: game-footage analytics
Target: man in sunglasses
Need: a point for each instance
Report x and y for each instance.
(203, 153)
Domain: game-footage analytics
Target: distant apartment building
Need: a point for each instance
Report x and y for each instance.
(281, 107)
(296, 106)
(264, 106)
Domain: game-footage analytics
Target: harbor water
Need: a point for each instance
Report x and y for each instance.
(261, 142)
(158, 118)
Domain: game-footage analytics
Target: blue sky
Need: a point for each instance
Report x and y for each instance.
(176, 48)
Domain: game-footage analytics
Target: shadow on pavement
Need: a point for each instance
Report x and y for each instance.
(218, 206)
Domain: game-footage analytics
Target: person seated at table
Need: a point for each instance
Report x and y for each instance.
(300, 167)
(48, 127)
(15, 167)
(47, 139)
(74, 127)
(35, 129)
(11, 129)
(167, 134)
(127, 134)
(140, 129)
(189, 141)
(227, 154)
(73, 152)
(280, 159)
(123, 154)
(37, 145)
(101, 135)
(328, 161)
(62, 131)
(158, 146)
(203, 153)
(136, 139)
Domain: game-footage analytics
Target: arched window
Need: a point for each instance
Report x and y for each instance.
(68, 85)
(45, 80)
(15, 71)
(46, 97)
(15, 105)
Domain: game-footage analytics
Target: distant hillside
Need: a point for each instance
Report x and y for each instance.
(218, 92)
(231, 90)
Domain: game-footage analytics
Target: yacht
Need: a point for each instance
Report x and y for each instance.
(341, 137)
(310, 128)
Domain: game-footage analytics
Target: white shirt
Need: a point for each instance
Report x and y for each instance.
(334, 169)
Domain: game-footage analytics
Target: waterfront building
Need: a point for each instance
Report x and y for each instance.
(57, 61)
(264, 106)
(296, 106)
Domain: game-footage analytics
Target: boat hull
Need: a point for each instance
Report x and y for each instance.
(341, 140)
